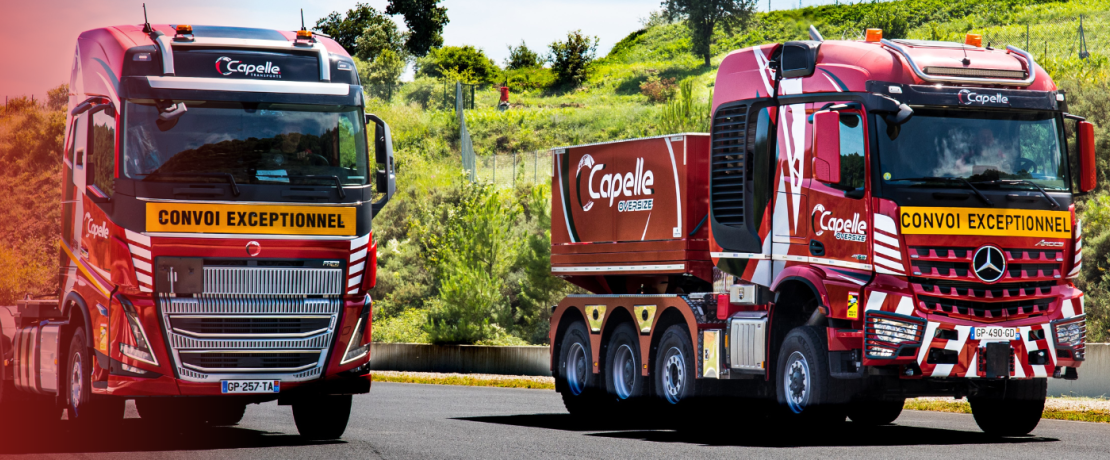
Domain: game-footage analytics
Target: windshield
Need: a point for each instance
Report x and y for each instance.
(257, 143)
(977, 146)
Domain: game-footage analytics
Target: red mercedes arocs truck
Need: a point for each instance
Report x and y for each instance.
(867, 221)
(216, 243)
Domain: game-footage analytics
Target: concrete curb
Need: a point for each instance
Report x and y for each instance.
(466, 359)
(1094, 374)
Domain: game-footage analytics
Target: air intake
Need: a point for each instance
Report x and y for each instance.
(975, 73)
(727, 168)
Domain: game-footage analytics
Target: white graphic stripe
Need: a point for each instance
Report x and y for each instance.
(677, 190)
(889, 263)
(884, 271)
(360, 242)
(881, 238)
(358, 255)
(930, 331)
(356, 268)
(887, 252)
(875, 300)
(139, 238)
(905, 306)
(142, 265)
(885, 223)
(139, 251)
(618, 268)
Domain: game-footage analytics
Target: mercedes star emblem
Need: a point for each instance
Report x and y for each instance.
(989, 264)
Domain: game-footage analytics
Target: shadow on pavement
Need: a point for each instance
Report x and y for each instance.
(135, 435)
(766, 435)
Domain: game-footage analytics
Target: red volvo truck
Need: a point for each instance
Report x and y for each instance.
(867, 221)
(216, 242)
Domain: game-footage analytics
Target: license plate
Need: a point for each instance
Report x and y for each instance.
(994, 334)
(251, 386)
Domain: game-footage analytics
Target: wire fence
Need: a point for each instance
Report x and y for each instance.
(515, 169)
(1082, 37)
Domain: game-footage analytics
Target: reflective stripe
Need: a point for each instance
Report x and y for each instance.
(887, 252)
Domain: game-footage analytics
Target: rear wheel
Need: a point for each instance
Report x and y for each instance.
(575, 379)
(1012, 410)
(803, 383)
(82, 407)
(874, 412)
(674, 366)
(624, 380)
(322, 417)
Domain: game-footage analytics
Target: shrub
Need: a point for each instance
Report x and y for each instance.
(685, 114)
(529, 78)
(571, 59)
(658, 89)
(379, 76)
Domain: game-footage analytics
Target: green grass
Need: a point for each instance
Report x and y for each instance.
(531, 383)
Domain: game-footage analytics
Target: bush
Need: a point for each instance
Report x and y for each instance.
(686, 114)
(571, 59)
(408, 327)
(658, 89)
(529, 78)
(458, 60)
(520, 57)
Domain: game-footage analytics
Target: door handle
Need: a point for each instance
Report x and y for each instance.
(816, 248)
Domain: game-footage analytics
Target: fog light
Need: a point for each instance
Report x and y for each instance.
(887, 334)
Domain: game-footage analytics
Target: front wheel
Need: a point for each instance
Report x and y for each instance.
(83, 409)
(322, 417)
(1013, 410)
(803, 383)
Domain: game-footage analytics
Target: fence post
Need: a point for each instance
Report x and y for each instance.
(494, 157)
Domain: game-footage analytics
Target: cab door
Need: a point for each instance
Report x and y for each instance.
(840, 224)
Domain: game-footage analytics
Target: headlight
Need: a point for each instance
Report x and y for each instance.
(1071, 334)
(355, 348)
(141, 350)
(886, 334)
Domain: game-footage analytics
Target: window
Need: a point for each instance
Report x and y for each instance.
(80, 139)
(102, 156)
(851, 152)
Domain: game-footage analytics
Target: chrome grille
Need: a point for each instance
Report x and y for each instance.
(213, 337)
(273, 280)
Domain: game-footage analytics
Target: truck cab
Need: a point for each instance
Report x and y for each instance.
(216, 247)
(886, 219)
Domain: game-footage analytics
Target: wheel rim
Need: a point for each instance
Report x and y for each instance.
(576, 369)
(796, 382)
(624, 372)
(674, 375)
(76, 382)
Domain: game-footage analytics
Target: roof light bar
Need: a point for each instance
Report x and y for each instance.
(1030, 69)
(975, 40)
(874, 35)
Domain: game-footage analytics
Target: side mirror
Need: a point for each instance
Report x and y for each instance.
(385, 180)
(1088, 171)
(799, 58)
(826, 147)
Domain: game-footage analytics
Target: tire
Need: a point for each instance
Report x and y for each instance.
(802, 381)
(322, 417)
(1015, 410)
(624, 381)
(86, 411)
(674, 367)
(576, 381)
(875, 412)
(226, 415)
(190, 413)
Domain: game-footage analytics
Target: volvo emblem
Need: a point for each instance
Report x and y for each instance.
(989, 264)
(253, 248)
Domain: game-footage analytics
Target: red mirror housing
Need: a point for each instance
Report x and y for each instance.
(1088, 171)
(826, 147)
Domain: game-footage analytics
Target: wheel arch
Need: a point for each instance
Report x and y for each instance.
(569, 316)
(76, 310)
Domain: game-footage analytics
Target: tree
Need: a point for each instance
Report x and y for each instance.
(380, 34)
(347, 29)
(458, 60)
(520, 57)
(425, 21)
(380, 75)
(703, 16)
(571, 59)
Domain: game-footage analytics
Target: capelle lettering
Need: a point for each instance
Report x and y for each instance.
(228, 66)
(852, 229)
(968, 98)
(99, 231)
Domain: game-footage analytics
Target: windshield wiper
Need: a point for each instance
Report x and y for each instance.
(338, 183)
(951, 179)
(1051, 201)
(230, 178)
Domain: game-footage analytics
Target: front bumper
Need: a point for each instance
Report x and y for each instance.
(943, 347)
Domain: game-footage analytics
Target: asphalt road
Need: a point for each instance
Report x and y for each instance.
(428, 421)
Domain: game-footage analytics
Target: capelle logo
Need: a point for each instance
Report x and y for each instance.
(968, 97)
(99, 231)
(852, 229)
(228, 66)
(612, 186)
